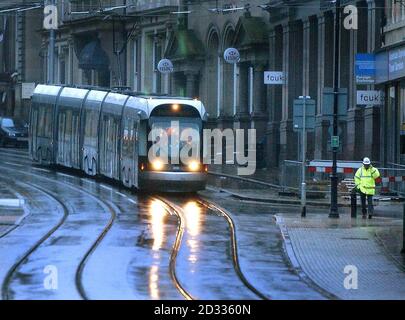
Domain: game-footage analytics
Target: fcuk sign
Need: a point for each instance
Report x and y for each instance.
(370, 98)
(273, 77)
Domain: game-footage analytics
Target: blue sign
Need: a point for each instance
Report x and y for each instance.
(365, 68)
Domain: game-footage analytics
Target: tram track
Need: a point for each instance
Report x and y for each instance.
(79, 271)
(234, 247)
(170, 206)
(234, 251)
(6, 283)
(174, 251)
(173, 208)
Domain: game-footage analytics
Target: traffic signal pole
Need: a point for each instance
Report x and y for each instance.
(334, 213)
(304, 152)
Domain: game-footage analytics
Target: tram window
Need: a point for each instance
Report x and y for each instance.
(142, 144)
(190, 128)
(41, 122)
(48, 122)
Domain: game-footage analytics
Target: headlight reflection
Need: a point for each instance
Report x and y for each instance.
(158, 213)
(193, 224)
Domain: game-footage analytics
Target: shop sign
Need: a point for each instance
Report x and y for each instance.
(371, 97)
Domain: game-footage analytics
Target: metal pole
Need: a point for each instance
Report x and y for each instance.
(403, 232)
(304, 145)
(235, 74)
(334, 213)
(52, 51)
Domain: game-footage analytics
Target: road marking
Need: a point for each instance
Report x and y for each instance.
(64, 175)
(11, 202)
(43, 170)
(121, 194)
(133, 201)
(105, 187)
(14, 164)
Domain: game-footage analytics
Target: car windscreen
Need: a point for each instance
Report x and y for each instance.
(11, 123)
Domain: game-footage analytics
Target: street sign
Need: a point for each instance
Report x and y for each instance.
(231, 55)
(27, 90)
(274, 77)
(310, 110)
(365, 68)
(335, 142)
(165, 66)
(328, 100)
(370, 97)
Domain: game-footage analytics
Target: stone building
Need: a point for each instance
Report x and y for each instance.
(20, 54)
(119, 43)
(391, 80)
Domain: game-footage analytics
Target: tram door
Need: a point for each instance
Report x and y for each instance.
(109, 146)
(75, 145)
(34, 132)
(61, 138)
(129, 151)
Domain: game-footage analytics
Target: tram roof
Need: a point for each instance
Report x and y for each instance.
(147, 102)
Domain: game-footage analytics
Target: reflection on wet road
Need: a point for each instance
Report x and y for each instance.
(118, 244)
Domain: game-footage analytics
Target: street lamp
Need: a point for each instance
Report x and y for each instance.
(334, 213)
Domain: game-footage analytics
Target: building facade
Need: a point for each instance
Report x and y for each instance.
(20, 56)
(391, 80)
(120, 42)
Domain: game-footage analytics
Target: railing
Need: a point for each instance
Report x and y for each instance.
(142, 5)
(392, 177)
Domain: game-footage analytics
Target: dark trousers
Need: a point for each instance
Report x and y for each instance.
(369, 202)
(363, 198)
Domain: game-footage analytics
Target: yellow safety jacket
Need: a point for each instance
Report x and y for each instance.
(365, 179)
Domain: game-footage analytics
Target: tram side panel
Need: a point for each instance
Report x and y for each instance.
(43, 107)
(129, 147)
(109, 147)
(69, 130)
(91, 126)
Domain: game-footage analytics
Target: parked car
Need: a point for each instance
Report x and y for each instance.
(13, 132)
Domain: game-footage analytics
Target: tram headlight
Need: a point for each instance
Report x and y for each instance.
(157, 165)
(194, 166)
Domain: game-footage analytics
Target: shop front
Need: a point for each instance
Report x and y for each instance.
(390, 78)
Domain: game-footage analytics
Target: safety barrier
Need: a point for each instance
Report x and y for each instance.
(392, 178)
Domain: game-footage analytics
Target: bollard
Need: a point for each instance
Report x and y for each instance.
(403, 232)
(353, 204)
(303, 200)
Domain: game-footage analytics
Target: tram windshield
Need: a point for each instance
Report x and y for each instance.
(178, 132)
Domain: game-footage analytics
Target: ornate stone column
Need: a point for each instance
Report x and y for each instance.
(353, 146)
(372, 114)
(273, 99)
(191, 77)
(258, 116)
(242, 114)
(292, 67)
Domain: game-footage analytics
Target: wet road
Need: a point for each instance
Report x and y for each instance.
(80, 238)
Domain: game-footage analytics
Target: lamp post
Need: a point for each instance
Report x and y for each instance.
(334, 213)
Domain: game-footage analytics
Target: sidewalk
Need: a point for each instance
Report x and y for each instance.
(258, 188)
(321, 248)
(11, 209)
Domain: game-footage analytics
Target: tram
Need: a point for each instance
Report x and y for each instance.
(107, 133)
